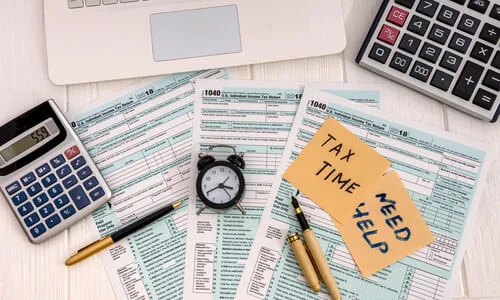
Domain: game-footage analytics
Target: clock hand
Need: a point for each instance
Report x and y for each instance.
(227, 193)
(227, 187)
(225, 180)
(208, 192)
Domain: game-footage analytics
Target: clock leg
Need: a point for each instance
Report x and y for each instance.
(238, 205)
(203, 206)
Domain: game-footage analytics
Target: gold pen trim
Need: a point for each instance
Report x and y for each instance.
(176, 204)
(298, 210)
(89, 250)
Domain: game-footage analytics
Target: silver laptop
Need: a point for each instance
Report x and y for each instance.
(97, 40)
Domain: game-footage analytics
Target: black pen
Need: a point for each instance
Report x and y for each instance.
(109, 240)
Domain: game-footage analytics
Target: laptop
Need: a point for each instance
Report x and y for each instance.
(99, 40)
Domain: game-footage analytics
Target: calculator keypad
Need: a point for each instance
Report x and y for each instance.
(448, 50)
(54, 191)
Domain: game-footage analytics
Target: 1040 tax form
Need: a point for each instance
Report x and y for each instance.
(442, 173)
(140, 140)
(256, 118)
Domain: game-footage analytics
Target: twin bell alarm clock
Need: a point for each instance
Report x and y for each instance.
(220, 183)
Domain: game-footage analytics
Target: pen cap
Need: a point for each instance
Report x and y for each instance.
(321, 263)
(304, 261)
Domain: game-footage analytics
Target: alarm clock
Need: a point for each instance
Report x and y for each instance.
(220, 183)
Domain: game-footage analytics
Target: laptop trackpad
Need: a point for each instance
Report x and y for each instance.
(195, 33)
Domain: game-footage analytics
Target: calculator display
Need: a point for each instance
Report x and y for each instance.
(31, 139)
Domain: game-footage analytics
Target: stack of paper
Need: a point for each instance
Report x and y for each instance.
(144, 138)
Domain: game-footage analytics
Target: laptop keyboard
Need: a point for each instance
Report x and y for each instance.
(90, 3)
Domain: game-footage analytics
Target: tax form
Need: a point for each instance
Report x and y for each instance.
(443, 175)
(256, 118)
(140, 140)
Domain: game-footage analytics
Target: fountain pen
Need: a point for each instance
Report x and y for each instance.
(318, 258)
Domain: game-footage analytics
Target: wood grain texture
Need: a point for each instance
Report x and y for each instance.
(38, 272)
(27, 271)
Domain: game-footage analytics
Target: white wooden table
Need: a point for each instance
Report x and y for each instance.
(38, 272)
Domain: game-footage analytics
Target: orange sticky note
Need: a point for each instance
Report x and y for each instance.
(336, 169)
(385, 227)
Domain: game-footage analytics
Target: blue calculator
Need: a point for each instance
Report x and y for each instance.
(46, 175)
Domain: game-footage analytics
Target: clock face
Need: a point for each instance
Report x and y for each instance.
(220, 185)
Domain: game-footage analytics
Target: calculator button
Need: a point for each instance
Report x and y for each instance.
(68, 211)
(421, 71)
(40, 200)
(439, 34)
(28, 178)
(441, 80)
(397, 16)
(468, 24)
(379, 53)
(42, 170)
(495, 12)
(79, 197)
(25, 209)
(459, 42)
(427, 7)
(84, 173)
(61, 201)
(479, 5)
(55, 191)
(462, 2)
(64, 171)
(49, 180)
(409, 43)
(481, 52)
(492, 80)
(468, 80)
(91, 183)
(19, 198)
(388, 34)
(53, 221)
(400, 62)
(448, 15)
(78, 163)
(34, 189)
(418, 25)
(38, 230)
(406, 3)
(70, 181)
(13, 188)
(490, 33)
(46, 210)
(57, 161)
(72, 152)
(484, 99)
(97, 194)
(430, 52)
(450, 61)
(496, 60)
(31, 219)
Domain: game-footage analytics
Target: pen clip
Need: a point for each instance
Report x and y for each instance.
(312, 261)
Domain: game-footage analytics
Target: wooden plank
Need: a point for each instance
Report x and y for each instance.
(324, 68)
(28, 271)
(482, 258)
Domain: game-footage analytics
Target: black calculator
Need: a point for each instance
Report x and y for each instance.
(447, 49)
(46, 175)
